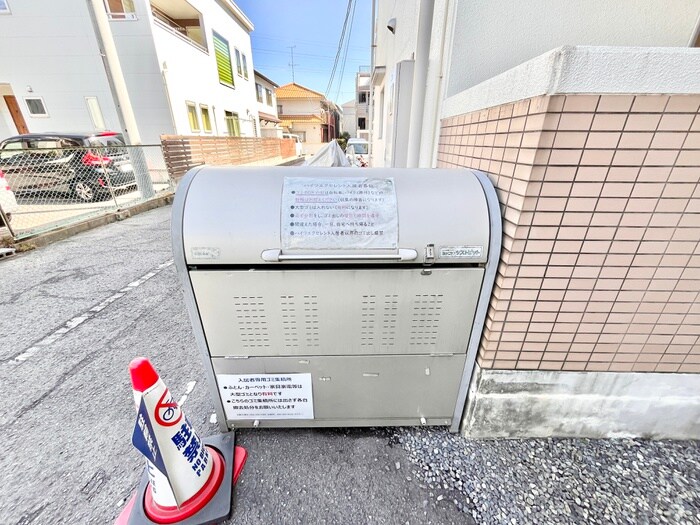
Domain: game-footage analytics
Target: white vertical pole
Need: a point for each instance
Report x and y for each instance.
(123, 102)
(115, 71)
(425, 26)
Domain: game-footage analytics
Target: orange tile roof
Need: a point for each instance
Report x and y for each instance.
(293, 90)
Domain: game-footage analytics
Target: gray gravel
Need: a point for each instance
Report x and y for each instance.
(559, 480)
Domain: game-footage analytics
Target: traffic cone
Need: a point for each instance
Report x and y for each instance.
(183, 473)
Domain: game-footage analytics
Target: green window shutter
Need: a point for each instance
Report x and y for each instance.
(223, 60)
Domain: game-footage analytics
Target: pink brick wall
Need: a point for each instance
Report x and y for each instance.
(600, 195)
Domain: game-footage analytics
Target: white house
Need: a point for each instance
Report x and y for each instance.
(187, 66)
(356, 111)
(349, 122)
(267, 106)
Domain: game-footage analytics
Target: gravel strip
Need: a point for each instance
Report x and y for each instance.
(514, 481)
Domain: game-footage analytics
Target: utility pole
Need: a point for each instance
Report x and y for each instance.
(291, 49)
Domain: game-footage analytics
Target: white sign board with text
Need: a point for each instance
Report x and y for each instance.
(344, 213)
(266, 396)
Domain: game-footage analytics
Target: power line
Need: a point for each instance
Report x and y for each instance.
(313, 43)
(340, 47)
(345, 56)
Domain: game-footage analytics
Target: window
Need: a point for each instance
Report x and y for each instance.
(233, 126)
(206, 119)
(301, 135)
(258, 92)
(268, 96)
(239, 67)
(223, 60)
(279, 109)
(93, 105)
(36, 107)
(120, 9)
(245, 68)
(362, 123)
(192, 116)
(11, 148)
(4, 7)
(362, 98)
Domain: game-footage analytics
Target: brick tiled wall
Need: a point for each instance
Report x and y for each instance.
(600, 268)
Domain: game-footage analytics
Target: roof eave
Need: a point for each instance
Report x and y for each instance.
(239, 14)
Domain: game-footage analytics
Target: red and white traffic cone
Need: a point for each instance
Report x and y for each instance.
(184, 474)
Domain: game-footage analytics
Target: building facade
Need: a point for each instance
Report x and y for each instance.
(356, 111)
(589, 129)
(308, 114)
(267, 106)
(187, 66)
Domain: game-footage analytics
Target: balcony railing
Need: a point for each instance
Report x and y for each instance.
(174, 27)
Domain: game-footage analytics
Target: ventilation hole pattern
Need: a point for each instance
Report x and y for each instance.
(290, 327)
(311, 320)
(425, 319)
(389, 319)
(368, 318)
(252, 321)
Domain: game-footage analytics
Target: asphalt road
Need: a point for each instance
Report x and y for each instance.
(72, 316)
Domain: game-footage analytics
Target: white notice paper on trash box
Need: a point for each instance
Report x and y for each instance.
(343, 213)
(266, 396)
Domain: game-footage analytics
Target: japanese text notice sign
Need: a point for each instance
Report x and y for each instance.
(266, 396)
(345, 213)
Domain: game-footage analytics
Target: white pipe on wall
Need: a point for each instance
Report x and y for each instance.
(115, 71)
(425, 26)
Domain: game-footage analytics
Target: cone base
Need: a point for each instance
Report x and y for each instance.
(165, 515)
(218, 509)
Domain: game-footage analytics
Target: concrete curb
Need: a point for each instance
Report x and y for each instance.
(44, 239)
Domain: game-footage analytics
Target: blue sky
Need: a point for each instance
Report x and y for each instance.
(314, 27)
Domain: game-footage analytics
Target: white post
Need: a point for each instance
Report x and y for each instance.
(425, 25)
(123, 102)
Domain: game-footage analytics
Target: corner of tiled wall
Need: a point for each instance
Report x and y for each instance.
(600, 268)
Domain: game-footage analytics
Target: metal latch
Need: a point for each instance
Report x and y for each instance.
(428, 259)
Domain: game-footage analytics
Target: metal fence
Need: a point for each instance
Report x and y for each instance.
(42, 189)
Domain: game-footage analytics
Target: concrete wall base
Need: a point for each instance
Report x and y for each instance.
(517, 404)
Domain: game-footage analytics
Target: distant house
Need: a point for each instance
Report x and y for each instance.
(187, 65)
(349, 124)
(356, 111)
(267, 106)
(308, 114)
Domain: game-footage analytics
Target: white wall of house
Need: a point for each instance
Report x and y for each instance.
(49, 50)
(268, 129)
(475, 40)
(390, 49)
(492, 37)
(191, 72)
(300, 106)
(349, 120)
(270, 109)
(142, 73)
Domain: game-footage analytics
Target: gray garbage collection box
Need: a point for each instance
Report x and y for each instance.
(337, 296)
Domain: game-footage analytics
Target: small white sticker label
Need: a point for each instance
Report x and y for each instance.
(266, 396)
(205, 253)
(461, 252)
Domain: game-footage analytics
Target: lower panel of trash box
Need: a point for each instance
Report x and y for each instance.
(339, 390)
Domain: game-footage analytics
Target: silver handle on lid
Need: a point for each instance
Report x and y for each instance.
(404, 254)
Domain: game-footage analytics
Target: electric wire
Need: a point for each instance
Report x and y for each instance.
(340, 47)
